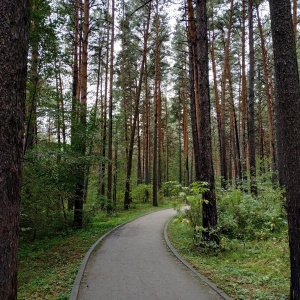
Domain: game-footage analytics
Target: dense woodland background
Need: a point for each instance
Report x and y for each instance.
(113, 116)
(108, 107)
(109, 110)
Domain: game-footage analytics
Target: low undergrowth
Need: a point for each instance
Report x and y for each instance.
(252, 260)
(245, 270)
(47, 268)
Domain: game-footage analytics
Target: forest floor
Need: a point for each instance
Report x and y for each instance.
(48, 267)
(245, 270)
(134, 263)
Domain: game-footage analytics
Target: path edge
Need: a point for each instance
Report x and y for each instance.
(220, 292)
(77, 281)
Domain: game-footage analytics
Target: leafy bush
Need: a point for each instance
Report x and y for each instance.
(141, 193)
(191, 214)
(47, 187)
(243, 216)
(171, 189)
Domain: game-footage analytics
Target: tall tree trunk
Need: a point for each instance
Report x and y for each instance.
(179, 140)
(193, 85)
(157, 120)
(81, 142)
(154, 169)
(62, 106)
(94, 118)
(260, 129)
(110, 113)
(234, 146)
(287, 107)
(167, 142)
(185, 136)
(222, 139)
(123, 83)
(75, 93)
(14, 21)
(218, 113)
(268, 93)
(101, 191)
(206, 171)
(244, 97)
(136, 112)
(147, 128)
(251, 125)
(139, 156)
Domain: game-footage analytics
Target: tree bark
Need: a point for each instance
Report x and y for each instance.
(287, 107)
(136, 112)
(244, 97)
(295, 17)
(75, 84)
(191, 32)
(147, 128)
(268, 95)
(14, 24)
(206, 171)
(81, 140)
(251, 125)
(157, 107)
(110, 113)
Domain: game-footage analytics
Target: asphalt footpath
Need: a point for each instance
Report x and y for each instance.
(135, 263)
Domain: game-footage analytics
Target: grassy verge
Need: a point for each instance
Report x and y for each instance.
(245, 270)
(47, 268)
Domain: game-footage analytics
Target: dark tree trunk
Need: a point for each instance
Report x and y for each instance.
(147, 129)
(192, 79)
(268, 84)
(101, 191)
(287, 107)
(136, 112)
(110, 114)
(14, 15)
(157, 115)
(74, 114)
(251, 126)
(156, 129)
(154, 170)
(244, 98)
(81, 140)
(139, 156)
(209, 216)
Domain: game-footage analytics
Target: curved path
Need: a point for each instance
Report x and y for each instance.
(133, 263)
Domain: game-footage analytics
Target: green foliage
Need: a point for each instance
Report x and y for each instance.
(47, 268)
(171, 189)
(141, 193)
(245, 270)
(195, 202)
(191, 214)
(46, 189)
(243, 216)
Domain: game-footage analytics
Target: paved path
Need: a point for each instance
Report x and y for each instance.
(134, 263)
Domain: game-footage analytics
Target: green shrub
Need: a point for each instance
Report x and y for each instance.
(141, 193)
(171, 189)
(47, 187)
(243, 216)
